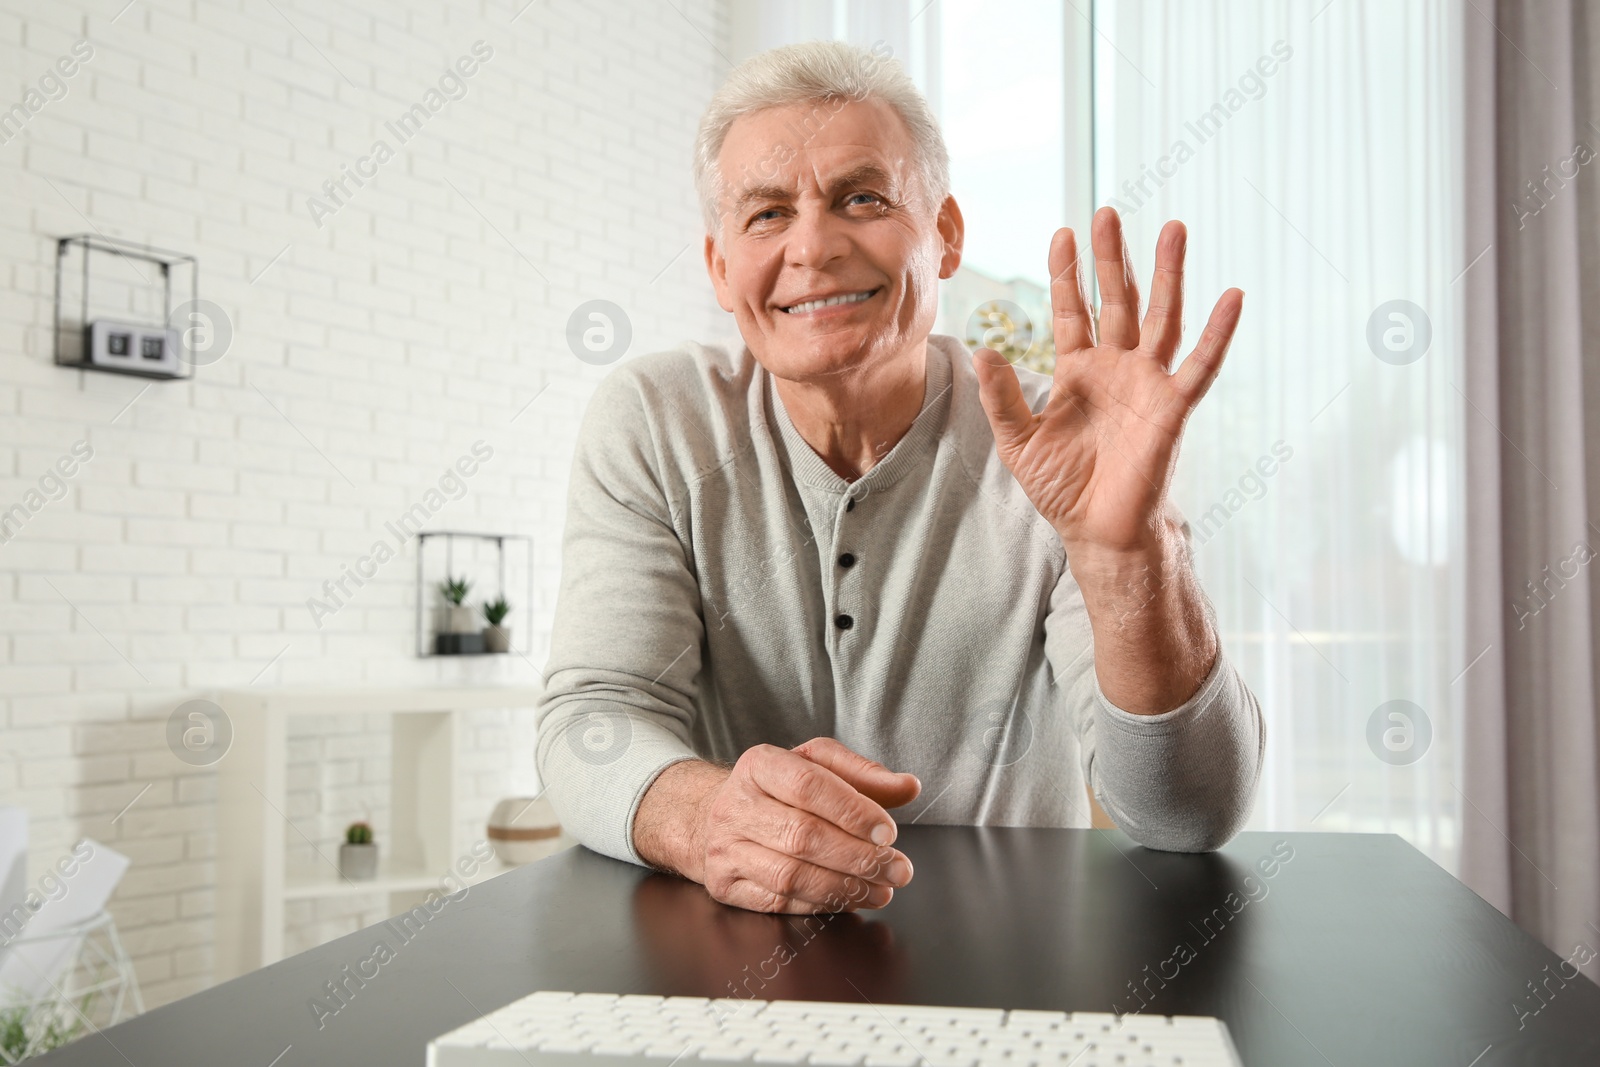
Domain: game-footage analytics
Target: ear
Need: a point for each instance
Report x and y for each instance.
(952, 229)
(717, 268)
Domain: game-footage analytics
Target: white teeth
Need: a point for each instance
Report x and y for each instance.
(850, 298)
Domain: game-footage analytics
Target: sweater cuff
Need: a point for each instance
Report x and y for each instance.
(598, 768)
(1184, 780)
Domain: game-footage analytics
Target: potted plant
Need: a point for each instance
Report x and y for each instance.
(496, 638)
(358, 856)
(458, 617)
(458, 633)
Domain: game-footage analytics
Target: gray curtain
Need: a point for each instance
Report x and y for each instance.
(1531, 776)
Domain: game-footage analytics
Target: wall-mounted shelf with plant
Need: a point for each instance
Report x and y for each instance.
(466, 579)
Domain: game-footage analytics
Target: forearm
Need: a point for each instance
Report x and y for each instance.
(669, 827)
(1154, 644)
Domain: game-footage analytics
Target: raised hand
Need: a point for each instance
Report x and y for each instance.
(1097, 461)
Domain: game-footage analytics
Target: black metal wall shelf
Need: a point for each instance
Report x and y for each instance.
(518, 621)
(152, 346)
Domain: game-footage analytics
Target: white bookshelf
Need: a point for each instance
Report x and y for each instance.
(254, 881)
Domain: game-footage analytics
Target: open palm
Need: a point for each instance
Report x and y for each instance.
(1097, 460)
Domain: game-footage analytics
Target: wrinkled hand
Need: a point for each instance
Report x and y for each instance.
(804, 830)
(1098, 459)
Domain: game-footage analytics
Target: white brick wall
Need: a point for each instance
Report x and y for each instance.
(404, 329)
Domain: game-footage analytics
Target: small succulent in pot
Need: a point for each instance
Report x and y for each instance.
(358, 856)
(458, 617)
(496, 638)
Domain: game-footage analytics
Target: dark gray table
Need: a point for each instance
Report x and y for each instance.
(1356, 952)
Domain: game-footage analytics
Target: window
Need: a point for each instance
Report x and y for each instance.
(1312, 150)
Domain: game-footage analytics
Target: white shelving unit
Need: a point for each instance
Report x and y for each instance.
(254, 884)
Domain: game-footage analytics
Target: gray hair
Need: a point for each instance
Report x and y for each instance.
(817, 71)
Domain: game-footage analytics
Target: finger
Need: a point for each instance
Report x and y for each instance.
(1069, 302)
(889, 789)
(1199, 369)
(795, 879)
(797, 782)
(753, 897)
(1163, 323)
(1001, 395)
(1119, 289)
(804, 836)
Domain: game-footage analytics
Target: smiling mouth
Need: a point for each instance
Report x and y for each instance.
(832, 301)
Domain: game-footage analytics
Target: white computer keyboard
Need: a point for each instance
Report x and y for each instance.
(551, 1029)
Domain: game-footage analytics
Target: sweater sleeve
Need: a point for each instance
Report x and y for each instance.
(1181, 781)
(625, 650)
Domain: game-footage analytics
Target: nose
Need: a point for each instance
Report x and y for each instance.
(816, 238)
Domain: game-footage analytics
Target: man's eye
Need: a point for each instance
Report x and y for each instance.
(757, 217)
(869, 196)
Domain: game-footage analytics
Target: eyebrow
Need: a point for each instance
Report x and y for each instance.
(864, 174)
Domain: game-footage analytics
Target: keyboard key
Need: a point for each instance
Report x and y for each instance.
(565, 1044)
(724, 1053)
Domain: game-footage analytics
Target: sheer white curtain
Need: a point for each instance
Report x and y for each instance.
(1313, 152)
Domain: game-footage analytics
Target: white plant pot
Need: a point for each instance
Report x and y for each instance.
(358, 863)
(496, 639)
(462, 620)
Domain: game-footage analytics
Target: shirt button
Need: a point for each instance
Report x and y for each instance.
(843, 622)
(850, 505)
(847, 560)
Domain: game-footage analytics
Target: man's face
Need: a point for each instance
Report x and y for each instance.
(822, 199)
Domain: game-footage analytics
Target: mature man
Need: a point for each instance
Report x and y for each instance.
(847, 546)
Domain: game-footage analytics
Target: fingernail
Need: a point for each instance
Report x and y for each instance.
(900, 872)
(879, 895)
(882, 834)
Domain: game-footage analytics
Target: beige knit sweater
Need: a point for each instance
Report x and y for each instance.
(722, 587)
